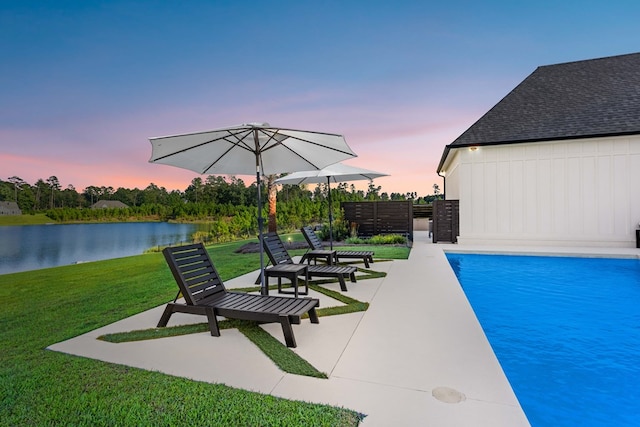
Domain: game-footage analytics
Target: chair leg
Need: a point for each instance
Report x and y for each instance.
(306, 285)
(213, 322)
(313, 316)
(294, 283)
(287, 330)
(166, 315)
(366, 262)
(352, 276)
(343, 285)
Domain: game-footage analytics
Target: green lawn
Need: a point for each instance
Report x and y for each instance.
(25, 219)
(40, 387)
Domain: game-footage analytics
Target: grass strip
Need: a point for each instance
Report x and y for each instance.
(156, 333)
(351, 305)
(287, 360)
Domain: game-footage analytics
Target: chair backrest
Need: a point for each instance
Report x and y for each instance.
(311, 237)
(275, 249)
(194, 272)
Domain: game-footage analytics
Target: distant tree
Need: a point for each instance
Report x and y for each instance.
(91, 194)
(106, 193)
(410, 195)
(18, 183)
(175, 198)
(124, 195)
(356, 195)
(136, 197)
(290, 192)
(6, 190)
(54, 188)
(238, 192)
(69, 197)
(194, 190)
(320, 192)
(154, 194)
(373, 192)
(40, 190)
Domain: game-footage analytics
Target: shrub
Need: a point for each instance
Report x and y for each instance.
(340, 231)
(381, 239)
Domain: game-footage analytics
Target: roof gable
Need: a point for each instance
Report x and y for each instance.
(10, 208)
(108, 204)
(582, 99)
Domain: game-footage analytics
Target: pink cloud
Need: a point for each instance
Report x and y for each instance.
(405, 140)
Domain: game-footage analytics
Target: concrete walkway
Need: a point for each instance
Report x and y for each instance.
(416, 357)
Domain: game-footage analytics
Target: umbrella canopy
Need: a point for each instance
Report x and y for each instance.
(337, 172)
(250, 148)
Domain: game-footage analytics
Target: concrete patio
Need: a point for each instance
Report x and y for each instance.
(417, 356)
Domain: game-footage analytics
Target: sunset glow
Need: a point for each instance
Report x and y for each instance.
(85, 85)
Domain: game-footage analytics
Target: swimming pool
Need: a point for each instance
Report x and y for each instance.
(565, 330)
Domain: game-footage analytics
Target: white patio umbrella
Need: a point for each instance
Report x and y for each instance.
(251, 148)
(337, 172)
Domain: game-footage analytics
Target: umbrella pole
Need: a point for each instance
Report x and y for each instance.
(330, 215)
(263, 287)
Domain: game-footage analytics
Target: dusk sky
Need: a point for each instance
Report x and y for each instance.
(84, 84)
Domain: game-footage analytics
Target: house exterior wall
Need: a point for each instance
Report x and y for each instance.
(572, 193)
(9, 208)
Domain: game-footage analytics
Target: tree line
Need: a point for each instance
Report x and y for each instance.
(227, 204)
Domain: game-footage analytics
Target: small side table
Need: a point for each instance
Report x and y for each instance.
(330, 256)
(638, 239)
(291, 272)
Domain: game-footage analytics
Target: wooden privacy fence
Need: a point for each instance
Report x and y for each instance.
(423, 211)
(380, 217)
(446, 221)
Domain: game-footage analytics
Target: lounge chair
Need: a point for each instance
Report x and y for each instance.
(279, 255)
(204, 293)
(317, 251)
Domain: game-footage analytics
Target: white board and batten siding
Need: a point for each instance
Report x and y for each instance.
(582, 192)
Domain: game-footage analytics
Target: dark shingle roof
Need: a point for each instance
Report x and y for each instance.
(108, 204)
(582, 99)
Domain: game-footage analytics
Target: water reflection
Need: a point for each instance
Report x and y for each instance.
(32, 247)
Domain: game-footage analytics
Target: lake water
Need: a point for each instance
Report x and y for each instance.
(32, 247)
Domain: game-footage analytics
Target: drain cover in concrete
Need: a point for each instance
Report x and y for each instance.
(448, 395)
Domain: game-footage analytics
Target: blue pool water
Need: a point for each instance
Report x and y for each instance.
(565, 330)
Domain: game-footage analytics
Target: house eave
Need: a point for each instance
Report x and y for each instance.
(453, 145)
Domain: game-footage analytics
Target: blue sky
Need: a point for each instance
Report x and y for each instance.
(83, 84)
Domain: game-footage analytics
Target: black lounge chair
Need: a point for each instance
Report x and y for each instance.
(204, 293)
(279, 255)
(317, 251)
